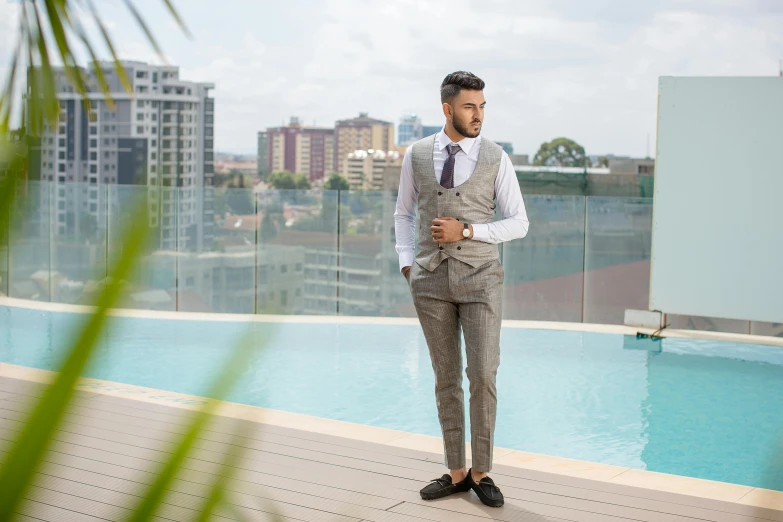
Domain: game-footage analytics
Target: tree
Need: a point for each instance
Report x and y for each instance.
(602, 161)
(240, 200)
(301, 182)
(560, 152)
(282, 180)
(337, 182)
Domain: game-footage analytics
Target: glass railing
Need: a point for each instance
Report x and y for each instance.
(234, 250)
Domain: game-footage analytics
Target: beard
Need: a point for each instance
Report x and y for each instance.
(464, 128)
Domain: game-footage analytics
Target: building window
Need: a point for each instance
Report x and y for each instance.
(93, 169)
(61, 142)
(94, 143)
(61, 155)
(140, 130)
(283, 269)
(93, 156)
(140, 116)
(61, 167)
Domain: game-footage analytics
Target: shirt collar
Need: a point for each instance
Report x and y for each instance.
(466, 144)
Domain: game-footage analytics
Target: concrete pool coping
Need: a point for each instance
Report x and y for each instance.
(353, 320)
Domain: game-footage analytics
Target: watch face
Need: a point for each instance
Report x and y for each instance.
(466, 232)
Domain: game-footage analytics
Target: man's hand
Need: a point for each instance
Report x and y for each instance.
(405, 271)
(448, 230)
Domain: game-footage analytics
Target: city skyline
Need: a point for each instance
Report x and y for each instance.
(560, 68)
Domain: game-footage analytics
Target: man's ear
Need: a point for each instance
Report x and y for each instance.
(448, 111)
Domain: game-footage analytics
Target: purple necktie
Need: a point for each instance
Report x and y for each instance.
(447, 177)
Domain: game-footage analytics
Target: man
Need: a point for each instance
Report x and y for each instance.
(456, 280)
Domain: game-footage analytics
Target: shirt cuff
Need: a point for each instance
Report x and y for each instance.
(481, 233)
(406, 259)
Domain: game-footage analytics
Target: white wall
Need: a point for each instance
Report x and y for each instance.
(718, 208)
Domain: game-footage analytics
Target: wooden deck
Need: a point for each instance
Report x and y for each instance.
(108, 446)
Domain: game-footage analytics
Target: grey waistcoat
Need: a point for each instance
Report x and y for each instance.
(472, 202)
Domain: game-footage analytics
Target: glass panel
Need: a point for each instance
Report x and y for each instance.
(370, 278)
(29, 259)
(544, 269)
(78, 225)
(153, 284)
(708, 324)
(617, 258)
(217, 250)
(770, 329)
(297, 252)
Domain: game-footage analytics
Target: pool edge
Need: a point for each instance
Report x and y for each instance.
(356, 320)
(746, 496)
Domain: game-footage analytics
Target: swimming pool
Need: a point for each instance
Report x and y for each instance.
(703, 409)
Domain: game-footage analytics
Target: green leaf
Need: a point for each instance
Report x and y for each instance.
(56, 13)
(225, 473)
(145, 28)
(12, 154)
(8, 91)
(97, 69)
(51, 107)
(176, 16)
(27, 452)
(110, 45)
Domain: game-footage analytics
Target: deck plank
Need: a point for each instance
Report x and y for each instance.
(108, 449)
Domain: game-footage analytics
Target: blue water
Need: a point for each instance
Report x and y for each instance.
(696, 408)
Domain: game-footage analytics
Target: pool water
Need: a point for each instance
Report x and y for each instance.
(703, 409)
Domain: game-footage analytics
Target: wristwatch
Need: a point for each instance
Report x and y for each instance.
(466, 231)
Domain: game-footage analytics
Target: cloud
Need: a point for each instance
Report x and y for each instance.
(587, 70)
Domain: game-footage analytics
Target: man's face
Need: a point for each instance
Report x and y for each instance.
(468, 113)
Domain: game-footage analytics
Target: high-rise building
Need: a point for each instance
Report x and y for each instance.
(361, 133)
(506, 146)
(300, 149)
(160, 134)
(364, 169)
(429, 130)
(262, 161)
(409, 130)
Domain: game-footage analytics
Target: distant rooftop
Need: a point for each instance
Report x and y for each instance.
(362, 120)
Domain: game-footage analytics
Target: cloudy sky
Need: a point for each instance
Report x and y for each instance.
(585, 69)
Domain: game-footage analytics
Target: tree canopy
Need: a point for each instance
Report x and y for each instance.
(337, 182)
(560, 152)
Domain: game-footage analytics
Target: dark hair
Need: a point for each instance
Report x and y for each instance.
(456, 81)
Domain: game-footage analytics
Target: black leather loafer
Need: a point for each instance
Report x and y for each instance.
(443, 487)
(487, 491)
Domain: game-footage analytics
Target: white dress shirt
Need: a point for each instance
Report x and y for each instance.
(514, 224)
